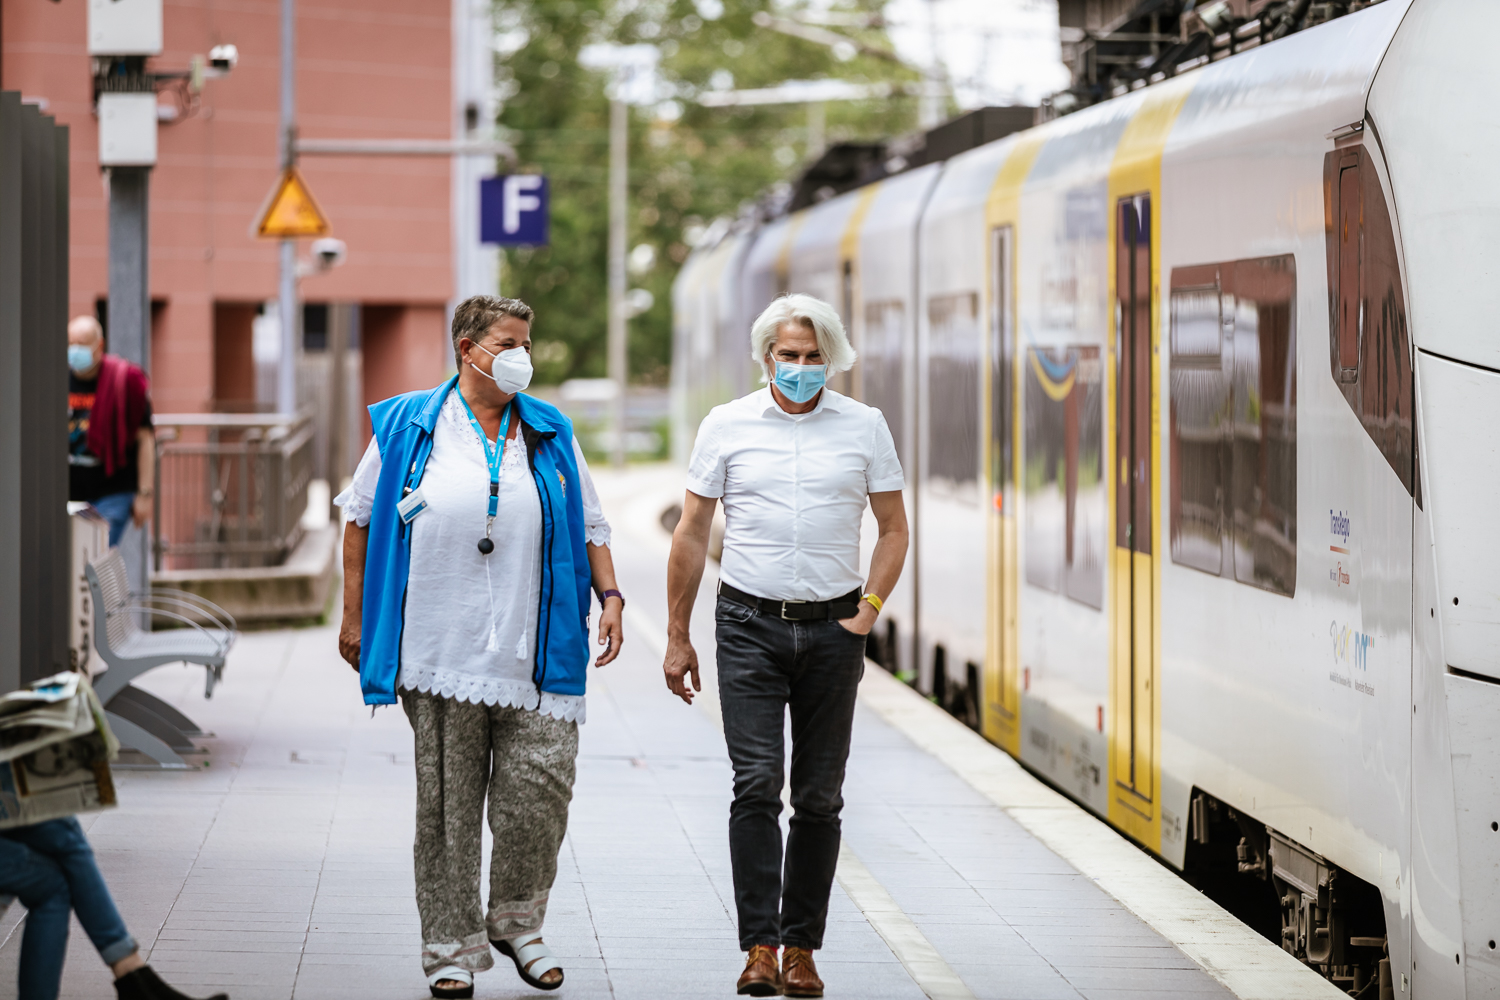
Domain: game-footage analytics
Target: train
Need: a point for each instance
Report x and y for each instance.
(1198, 399)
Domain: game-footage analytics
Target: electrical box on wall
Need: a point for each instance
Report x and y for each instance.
(124, 27)
(127, 130)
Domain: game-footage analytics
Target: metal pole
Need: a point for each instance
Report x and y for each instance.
(933, 104)
(340, 316)
(130, 321)
(817, 129)
(617, 333)
(286, 381)
(129, 265)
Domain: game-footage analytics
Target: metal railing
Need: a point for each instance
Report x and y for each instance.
(230, 488)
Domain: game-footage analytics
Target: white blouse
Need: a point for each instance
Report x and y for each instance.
(470, 631)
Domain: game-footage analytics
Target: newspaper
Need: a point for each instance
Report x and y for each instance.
(55, 749)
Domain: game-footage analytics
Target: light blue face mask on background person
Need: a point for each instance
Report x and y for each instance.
(799, 383)
(80, 358)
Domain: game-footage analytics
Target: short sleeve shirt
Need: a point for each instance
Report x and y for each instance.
(794, 489)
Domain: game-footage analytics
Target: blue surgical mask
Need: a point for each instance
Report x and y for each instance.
(80, 358)
(799, 383)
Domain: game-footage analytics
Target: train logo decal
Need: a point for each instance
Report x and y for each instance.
(1351, 651)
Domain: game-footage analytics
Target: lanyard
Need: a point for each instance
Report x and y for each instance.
(493, 457)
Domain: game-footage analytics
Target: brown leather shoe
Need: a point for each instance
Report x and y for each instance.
(761, 978)
(799, 975)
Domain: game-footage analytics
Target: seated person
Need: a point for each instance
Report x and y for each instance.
(50, 868)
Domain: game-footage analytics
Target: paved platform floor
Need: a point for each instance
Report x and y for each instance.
(282, 867)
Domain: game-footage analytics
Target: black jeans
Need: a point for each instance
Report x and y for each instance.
(767, 665)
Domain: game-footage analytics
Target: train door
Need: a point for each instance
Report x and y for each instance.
(999, 688)
(1133, 680)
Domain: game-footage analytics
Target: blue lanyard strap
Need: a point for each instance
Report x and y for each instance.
(493, 457)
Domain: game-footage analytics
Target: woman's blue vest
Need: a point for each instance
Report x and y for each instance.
(403, 429)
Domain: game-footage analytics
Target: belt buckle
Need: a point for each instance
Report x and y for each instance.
(783, 610)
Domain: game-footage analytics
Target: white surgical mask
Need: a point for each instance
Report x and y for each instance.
(511, 370)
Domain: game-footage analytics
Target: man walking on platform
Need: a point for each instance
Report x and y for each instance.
(793, 463)
(111, 447)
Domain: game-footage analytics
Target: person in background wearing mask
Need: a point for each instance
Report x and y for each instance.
(794, 464)
(111, 447)
(473, 534)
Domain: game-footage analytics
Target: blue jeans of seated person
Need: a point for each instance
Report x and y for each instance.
(50, 868)
(116, 509)
(767, 665)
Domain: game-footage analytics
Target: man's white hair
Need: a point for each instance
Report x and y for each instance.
(833, 342)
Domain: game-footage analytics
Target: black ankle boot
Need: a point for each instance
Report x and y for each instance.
(145, 984)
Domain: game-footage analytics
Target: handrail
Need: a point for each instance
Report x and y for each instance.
(234, 420)
(230, 488)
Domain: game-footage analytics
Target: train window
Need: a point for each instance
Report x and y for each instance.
(1234, 421)
(1199, 405)
(953, 388)
(882, 364)
(1064, 472)
(1370, 348)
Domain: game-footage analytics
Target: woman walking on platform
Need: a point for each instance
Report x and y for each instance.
(474, 534)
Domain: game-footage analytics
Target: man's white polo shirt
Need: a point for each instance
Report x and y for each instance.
(794, 488)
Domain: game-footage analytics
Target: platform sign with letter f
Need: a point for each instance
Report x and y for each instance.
(513, 210)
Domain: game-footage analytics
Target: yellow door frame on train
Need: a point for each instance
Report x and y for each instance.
(1134, 733)
(1000, 704)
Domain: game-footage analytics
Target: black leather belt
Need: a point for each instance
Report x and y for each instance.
(797, 611)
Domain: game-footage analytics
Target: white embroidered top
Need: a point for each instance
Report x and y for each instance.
(471, 619)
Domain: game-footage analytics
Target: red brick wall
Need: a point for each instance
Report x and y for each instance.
(366, 69)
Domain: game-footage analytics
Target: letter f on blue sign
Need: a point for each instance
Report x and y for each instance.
(513, 210)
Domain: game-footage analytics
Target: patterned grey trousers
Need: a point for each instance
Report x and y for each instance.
(529, 787)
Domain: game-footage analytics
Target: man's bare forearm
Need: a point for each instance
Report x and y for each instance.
(145, 442)
(684, 574)
(886, 562)
(685, 565)
(356, 540)
(890, 547)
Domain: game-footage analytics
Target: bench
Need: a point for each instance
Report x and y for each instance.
(142, 721)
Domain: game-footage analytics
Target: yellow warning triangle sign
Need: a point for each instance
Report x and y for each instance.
(291, 211)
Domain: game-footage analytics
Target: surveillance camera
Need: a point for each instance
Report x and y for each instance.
(328, 252)
(223, 58)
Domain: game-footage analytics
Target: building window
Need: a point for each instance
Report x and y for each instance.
(1233, 347)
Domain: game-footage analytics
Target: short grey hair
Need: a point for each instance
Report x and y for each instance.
(822, 318)
(476, 314)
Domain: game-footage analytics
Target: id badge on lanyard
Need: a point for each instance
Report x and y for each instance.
(493, 457)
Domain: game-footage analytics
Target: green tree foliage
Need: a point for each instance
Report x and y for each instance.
(688, 163)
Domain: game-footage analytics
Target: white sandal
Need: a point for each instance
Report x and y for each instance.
(533, 960)
(452, 972)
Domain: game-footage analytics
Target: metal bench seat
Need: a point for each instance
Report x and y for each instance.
(142, 721)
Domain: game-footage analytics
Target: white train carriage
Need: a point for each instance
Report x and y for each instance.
(1197, 395)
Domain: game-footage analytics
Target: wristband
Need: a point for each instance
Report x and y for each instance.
(875, 601)
(605, 595)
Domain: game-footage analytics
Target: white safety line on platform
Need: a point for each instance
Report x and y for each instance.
(906, 941)
(927, 968)
(1248, 965)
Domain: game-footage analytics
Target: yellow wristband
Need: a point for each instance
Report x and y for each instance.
(875, 601)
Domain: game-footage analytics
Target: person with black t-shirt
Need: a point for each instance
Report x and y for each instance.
(111, 447)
